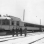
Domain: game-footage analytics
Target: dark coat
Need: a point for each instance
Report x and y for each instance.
(20, 29)
(12, 30)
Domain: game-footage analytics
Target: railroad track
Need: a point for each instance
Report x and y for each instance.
(9, 37)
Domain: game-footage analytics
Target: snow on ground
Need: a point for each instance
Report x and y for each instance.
(21, 39)
(39, 42)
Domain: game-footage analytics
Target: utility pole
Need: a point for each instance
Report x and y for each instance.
(40, 25)
(40, 21)
(23, 14)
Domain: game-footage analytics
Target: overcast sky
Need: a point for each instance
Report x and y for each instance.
(34, 9)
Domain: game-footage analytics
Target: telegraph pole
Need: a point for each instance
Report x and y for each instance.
(40, 21)
(23, 14)
(40, 25)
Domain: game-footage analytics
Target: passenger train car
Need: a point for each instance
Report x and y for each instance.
(9, 22)
(34, 27)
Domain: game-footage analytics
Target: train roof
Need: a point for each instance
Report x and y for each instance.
(11, 17)
(5, 18)
(31, 23)
(37, 25)
(15, 18)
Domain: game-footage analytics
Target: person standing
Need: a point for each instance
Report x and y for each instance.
(25, 32)
(21, 31)
(13, 32)
(16, 31)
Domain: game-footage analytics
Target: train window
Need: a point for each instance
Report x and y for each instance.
(29, 25)
(17, 23)
(12, 22)
(5, 22)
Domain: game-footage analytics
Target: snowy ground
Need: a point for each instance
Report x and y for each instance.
(31, 38)
(40, 41)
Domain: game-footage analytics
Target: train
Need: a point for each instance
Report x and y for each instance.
(7, 23)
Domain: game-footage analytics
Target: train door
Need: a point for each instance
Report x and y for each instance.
(11, 25)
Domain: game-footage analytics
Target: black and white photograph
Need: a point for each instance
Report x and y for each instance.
(21, 21)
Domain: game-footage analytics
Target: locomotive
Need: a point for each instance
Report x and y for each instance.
(7, 23)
